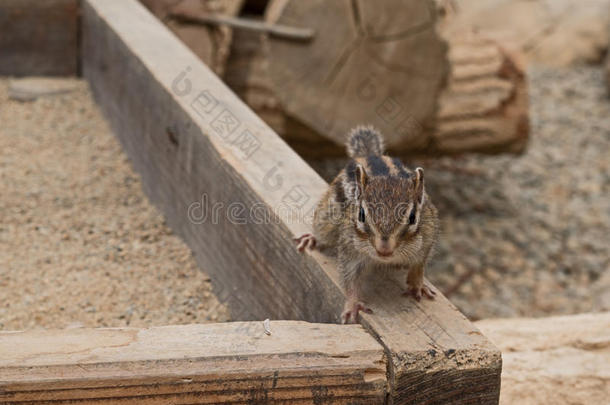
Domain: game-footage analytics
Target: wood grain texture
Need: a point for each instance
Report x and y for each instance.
(234, 363)
(39, 37)
(186, 133)
(382, 63)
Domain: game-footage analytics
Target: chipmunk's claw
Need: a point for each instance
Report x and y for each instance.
(306, 240)
(418, 292)
(351, 310)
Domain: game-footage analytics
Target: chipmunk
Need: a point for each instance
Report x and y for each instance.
(375, 214)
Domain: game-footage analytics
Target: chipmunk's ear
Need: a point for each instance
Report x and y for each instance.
(361, 177)
(419, 185)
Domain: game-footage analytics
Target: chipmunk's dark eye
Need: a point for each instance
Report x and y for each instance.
(412, 217)
(361, 216)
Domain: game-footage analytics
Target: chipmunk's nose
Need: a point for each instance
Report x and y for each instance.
(383, 247)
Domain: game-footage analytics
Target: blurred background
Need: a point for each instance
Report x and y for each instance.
(503, 102)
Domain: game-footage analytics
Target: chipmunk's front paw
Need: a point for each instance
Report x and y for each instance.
(417, 292)
(306, 240)
(351, 310)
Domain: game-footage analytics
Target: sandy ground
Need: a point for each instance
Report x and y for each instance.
(79, 242)
(528, 235)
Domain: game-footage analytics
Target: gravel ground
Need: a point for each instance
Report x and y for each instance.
(79, 242)
(528, 235)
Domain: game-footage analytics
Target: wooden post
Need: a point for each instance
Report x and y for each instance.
(237, 194)
(235, 362)
(38, 37)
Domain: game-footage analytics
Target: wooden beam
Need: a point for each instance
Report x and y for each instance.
(196, 144)
(39, 37)
(236, 362)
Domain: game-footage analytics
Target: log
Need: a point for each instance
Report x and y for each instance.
(482, 107)
(196, 146)
(234, 363)
(39, 38)
(368, 63)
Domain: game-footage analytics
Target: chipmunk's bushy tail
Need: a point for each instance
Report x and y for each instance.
(364, 141)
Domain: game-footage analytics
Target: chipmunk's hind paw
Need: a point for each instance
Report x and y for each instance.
(306, 240)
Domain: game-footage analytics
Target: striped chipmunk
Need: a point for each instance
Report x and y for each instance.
(375, 214)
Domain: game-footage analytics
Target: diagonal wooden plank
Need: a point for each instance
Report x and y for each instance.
(197, 145)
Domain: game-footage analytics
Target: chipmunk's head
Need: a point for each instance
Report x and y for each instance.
(387, 202)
